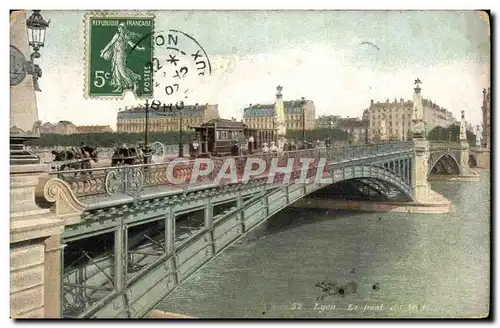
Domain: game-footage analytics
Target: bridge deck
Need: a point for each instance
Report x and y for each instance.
(125, 183)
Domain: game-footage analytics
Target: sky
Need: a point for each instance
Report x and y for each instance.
(338, 59)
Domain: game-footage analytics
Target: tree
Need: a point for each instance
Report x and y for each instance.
(107, 139)
(451, 133)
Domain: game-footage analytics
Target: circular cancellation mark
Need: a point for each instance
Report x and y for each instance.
(179, 65)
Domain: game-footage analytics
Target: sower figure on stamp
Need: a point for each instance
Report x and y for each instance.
(116, 51)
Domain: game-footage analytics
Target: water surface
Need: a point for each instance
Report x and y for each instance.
(338, 264)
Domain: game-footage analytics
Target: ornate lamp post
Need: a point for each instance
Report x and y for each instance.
(37, 27)
(22, 116)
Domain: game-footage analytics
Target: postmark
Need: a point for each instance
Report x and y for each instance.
(118, 48)
(180, 65)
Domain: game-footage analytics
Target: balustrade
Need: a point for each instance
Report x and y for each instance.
(178, 173)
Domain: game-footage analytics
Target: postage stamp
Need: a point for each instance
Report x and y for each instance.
(118, 54)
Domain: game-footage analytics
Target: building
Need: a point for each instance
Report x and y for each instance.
(356, 129)
(327, 121)
(133, 120)
(397, 118)
(263, 116)
(93, 129)
(61, 127)
(486, 108)
(66, 127)
(366, 115)
(435, 115)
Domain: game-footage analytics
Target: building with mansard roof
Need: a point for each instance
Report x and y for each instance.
(133, 120)
(67, 127)
(262, 116)
(93, 128)
(397, 118)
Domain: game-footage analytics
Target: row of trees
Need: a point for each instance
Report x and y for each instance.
(451, 133)
(107, 139)
(110, 139)
(335, 134)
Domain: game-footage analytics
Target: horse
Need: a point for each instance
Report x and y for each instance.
(63, 155)
(86, 153)
(92, 153)
(126, 156)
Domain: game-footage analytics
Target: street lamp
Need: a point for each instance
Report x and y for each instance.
(302, 104)
(330, 133)
(36, 31)
(37, 27)
(181, 145)
(147, 149)
(477, 135)
(275, 139)
(146, 125)
(349, 136)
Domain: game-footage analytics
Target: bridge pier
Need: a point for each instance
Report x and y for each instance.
(464, 157)
(466, 174)
(40, 207)
(421, 187)
(423, 195)
(465, 171)
(483, 158)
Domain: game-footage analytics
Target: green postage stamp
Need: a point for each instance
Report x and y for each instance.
(118, 54)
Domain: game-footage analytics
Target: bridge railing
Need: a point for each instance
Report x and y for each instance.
(105, 153)
(444, 145)
(184, 173)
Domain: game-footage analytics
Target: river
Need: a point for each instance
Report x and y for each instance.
(337, 264)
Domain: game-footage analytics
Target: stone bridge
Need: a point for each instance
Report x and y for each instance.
(132, 234)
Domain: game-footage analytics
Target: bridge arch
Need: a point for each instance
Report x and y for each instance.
(384, 179)
(371, 189)
(444, 163)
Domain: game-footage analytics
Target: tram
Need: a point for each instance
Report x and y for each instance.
(222, 137)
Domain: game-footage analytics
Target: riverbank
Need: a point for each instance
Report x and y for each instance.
(436, 204)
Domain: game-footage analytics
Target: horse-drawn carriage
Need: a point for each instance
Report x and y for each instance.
(74, 159)
(128, 156)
